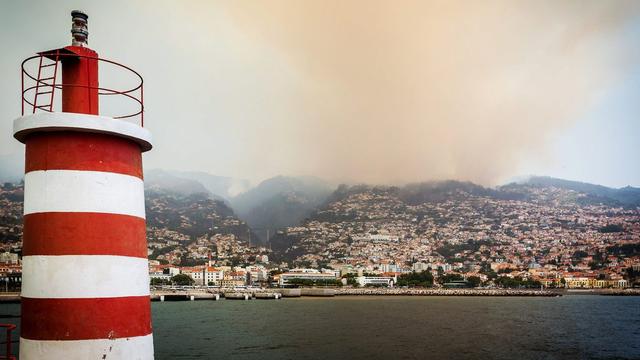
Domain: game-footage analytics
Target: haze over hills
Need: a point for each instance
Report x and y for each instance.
(436, 220)
(280, 201)
(11, 168)
(166, 180)
(625, 196)
(222, 186)
(285, 201)
(274, 203)
(310, 221)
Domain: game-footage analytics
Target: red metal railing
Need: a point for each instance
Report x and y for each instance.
(8, 353)
(36, 83)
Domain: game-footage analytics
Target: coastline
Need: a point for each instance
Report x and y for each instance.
(445, 292)
(332, 292)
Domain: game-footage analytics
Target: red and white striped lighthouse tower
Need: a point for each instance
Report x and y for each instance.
(85, 290)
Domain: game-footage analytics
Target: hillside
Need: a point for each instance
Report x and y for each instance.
(592, 194)
(219, 186)
(279, 202)
(274, 203)
(162, 180)
(361, 224)
(364, 224)
(181, 228)
(11, 197)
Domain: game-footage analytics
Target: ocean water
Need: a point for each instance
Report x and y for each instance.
(568, 327)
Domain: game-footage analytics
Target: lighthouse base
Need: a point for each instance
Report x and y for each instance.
(139, 347)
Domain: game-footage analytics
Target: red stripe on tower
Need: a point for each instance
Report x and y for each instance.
(83, 233)
(67, 150)
(66, 319)
(85, 290)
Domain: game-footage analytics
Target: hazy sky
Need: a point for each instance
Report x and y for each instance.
(366, 91)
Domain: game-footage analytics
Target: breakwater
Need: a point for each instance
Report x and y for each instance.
(442, 292)
(622, 292)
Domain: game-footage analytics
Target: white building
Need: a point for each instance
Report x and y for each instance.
(159, 275)
(420, 267)
(377, 238)
(209, 274)
(9, 258)
(257, 274)
(388, 267)
(376, 280)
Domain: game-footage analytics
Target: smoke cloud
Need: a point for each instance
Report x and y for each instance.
(407, 91)
(364, 91)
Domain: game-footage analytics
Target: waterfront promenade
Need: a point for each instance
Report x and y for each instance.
(348, 291)
(217, 294)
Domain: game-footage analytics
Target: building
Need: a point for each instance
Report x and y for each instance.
(591, 282)
(257, 274)
(286, 278)
(420, 267)
(211, 275)
(9, 258)
(386, 281)
(233, 279)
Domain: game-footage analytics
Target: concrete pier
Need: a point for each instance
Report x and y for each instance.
(184, 296)
(237, 296)
(267, 295)
(290, 292)
(10, 298)
(322, 292)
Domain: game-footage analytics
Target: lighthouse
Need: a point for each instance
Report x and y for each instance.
(85, 280)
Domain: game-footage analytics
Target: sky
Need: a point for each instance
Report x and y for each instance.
(383, 92)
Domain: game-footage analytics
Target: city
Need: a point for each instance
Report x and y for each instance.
(382, 180)
(519, 236)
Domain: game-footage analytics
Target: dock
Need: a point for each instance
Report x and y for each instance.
(183, 296)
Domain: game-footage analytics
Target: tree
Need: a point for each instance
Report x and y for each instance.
(474, 281)
(611, 228)
(422, 279)
(182, 279)
(157, 281)
(517, 282)
(450, 278)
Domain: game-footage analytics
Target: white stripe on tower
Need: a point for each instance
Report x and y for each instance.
(137, 347)
(109, 291)
(83, 191)
(84, 276)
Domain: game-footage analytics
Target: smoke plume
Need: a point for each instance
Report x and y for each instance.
(363, 91)
(407, 91)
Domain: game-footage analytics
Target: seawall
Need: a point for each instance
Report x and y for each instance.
(443, 292)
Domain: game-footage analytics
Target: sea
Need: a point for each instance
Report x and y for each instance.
(567, 327)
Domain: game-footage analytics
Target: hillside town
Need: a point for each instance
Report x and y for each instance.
(547, 237)
(379, 236)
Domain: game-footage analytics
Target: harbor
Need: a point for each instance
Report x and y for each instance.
(277, 294)
(298, 327)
